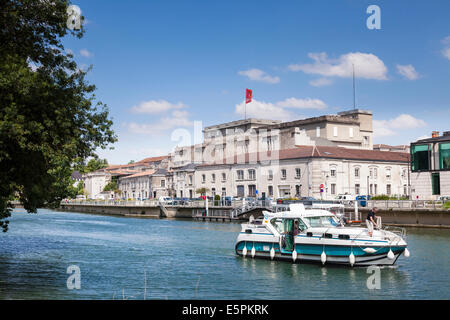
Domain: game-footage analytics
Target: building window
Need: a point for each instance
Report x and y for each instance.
(357, 189)
(163, 183)
(444, 156)
(213, 192)
(224, 192)
(297, 191)
(269, 143)
(270, 190)
(224, 177)
(251, 174)
(333, 172)
(388, 173)
(298, 173)
(420, 157)
(240, 174)
(213, 177)
(350, 132)
(283, 174)
(240, 191)
(435, 183)
(190, 179)
(388, 189)
(251, 190)
(375, 189)
(366, 140)
(357, 172)
(371, 189)
(270, 175)
(375, 173)
(203, 178)
(333, 188)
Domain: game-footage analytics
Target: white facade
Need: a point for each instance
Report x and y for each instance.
(303, 177)
(95, 182)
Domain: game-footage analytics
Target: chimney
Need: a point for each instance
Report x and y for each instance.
(435, 134)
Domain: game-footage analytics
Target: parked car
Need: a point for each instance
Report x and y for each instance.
(250, 201)
(346, 198)
(165, 200)
(308, 199)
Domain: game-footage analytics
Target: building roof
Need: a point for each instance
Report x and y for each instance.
(141, 174)
(443, 138)
(305, 152)
(240, 123)
(153, 159)
(123, 172)
(76, 175)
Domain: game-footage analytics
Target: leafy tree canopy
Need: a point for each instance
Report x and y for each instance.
(49, 115)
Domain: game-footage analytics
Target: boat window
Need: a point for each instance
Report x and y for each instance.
(323, 221)
(278, 224)
(301, 225)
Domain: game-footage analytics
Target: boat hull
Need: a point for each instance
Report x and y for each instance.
(335, 254)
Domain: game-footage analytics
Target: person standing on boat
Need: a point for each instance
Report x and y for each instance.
(295, 231)
(370, 220)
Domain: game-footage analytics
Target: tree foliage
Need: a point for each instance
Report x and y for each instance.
(49, 115)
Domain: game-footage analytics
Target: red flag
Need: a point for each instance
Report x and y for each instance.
(248, 96)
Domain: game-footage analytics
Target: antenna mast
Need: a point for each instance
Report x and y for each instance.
(354, 90)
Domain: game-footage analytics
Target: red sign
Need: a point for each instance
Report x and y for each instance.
(321, 185)
(248, 96)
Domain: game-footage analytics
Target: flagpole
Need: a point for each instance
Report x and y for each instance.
(245, 108)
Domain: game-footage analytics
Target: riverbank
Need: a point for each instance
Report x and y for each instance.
(419, 217)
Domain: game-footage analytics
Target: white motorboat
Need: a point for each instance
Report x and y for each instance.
(320, 237)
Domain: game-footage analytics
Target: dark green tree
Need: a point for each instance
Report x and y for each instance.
(49, 115)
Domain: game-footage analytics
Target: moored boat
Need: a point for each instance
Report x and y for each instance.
(317, 235)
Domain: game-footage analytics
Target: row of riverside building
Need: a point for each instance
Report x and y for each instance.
(318, 157)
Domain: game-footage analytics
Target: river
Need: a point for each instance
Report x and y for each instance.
(141, 258)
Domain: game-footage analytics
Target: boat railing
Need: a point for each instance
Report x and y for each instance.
(398, 231)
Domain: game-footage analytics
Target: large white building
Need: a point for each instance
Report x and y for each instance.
(301, 171)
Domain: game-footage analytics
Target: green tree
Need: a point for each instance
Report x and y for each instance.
(49, 116)
(111, 186)
(93, 164)
(202, 191)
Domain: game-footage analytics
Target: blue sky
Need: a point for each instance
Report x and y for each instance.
(161, 65)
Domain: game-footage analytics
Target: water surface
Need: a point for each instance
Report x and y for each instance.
(181, 259)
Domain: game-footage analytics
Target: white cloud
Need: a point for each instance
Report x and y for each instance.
(179, 119)
(446, 53)
(278, 110)
(383, 128)
(320, 82)
(263, 110)
(259, 75)
(367, 66)
(408, 71)
(446, 40)
(85, 53)
(156, 106)
(307, 103)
